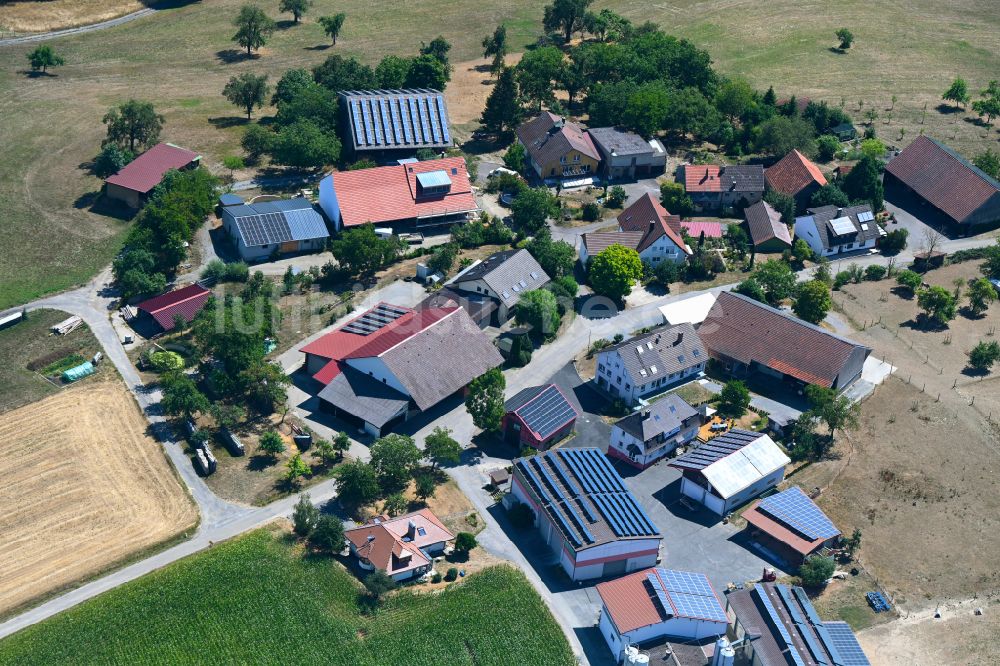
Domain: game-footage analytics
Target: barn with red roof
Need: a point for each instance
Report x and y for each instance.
(401, 196)
(392, 362)
(160, 313)
(795, 175)
(137, 179)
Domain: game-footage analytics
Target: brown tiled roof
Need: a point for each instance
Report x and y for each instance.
(630, 599)
(381, 541)
(186, 302)
(597, 241)
(942, 177)
(647, 215)
(793, 173)
(765, 224)
(714, 178)
(740, 328)
(146, 171)
(547, 144)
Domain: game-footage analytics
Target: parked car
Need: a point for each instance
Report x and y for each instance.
(500, 170)
(507, 198)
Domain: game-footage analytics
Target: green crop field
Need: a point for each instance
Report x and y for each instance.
(257, 600)
(181, 58)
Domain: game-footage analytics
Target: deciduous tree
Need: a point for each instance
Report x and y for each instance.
(566, 16)
(253, 28)
(247, 91)
(816, 570)
(938, 304)
(395, 505)
(296, 468)
(359, 251)
(531, 208)
(989, 162)
(394, 457)
(332, 25)
(133, 124)
(441, 448)
(181, 396)
(777, 280)
(271, 443)
(484, 400)
(555, 257)
(614, 271)
(357, 484)
(538, 310)
(957, 92)
(813, 301)
(984, 355)
(846, 38)
(297, 8)
(495, 47)
(981, 294)
(43, 57)
(734, 399)
(675, 199)
(328, 535)
(304, 516)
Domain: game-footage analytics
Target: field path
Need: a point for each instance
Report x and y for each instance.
(44, 36)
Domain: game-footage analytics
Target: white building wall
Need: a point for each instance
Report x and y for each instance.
(805, 228)
(663, 249)
(748, 493)
(694, 491)
(374, 366)
(618, 383)
(610, 633)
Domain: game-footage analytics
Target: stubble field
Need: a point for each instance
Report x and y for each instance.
(84, 488)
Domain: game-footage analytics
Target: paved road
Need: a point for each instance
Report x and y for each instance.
(44, 36)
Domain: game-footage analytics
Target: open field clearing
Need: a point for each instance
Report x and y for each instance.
(27, 16)
(28, 349)
(84, 489)
(181, 58)
(257, 599)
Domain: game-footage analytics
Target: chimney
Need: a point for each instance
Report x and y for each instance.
(411, 529)
(644, 414)
(371, 537)
(652, 227)
(680, 338)
(657, 338)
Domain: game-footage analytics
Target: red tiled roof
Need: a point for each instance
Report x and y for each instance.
(702, 178)
(146, 171)
(645, 211)
(387, 542)
(946, 180)
(339, 344)
(628, 602)
(743, 329)
(776, 530)
(389, 193)
(694, 229)
(793, 173)
(187, 302)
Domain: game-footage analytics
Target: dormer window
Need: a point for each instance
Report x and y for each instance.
(433, 184)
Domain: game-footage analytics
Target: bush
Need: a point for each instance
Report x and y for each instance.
(816, 570)
(451, 574)
(875, 272)
(894, 242)
(826, 147)
(616, 197)
(984, 355)
(166, 361)
(436, 578)
(909, 281)
(464, 542)
(591, 212)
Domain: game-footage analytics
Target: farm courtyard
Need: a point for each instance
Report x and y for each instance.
(181, 58)
(85, 489)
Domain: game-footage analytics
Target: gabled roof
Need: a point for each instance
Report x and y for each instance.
(663, 416)
(146, 171)
(275, 222)
(365, 397)
(543, 409)
(715, 178)
(746, 330)
(618, 142)
(793, 173)
(837, 226)
(696, 229)
(546, 141)
(661, 352)
(508, 274)
(597, 241)
(341, 343)
(186, 302)
(441, 358)
(393, 545)
(944, 178)
(654, 596)
(792, 518)
(765, 224)
(584, 497)
(734, 461)
(389, 193)
(396, 119)
(648, 216)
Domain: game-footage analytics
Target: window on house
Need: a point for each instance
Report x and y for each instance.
(618, 380)
(562, 159)
(600, 366)
(627, 387)
(576, 158)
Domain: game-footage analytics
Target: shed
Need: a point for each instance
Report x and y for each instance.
(139, 177)
(538, 416)
(158, 314)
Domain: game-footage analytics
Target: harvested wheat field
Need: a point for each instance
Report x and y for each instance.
(84, 487)
(27, 17)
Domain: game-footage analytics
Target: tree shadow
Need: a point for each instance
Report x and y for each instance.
(968, 313)
(285, 24)
(229, 56)
(837, 50)
(224, 122)
(38, 74)
(258, 463)
(947, 109)
(902, 292)
(969, 371)
(318, 47)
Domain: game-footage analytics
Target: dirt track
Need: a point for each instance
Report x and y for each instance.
(84, 487)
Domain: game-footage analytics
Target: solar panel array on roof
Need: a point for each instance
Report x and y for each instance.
(842, 226)
(376, 318)
(263, 229)
(794, 508)
(398, 118)
(779, 626)
(687, 594)
(715, 449)
(548, 412)
(866, 216)
(843, 638)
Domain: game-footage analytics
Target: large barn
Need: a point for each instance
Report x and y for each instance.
(394, 122)
(944, 180)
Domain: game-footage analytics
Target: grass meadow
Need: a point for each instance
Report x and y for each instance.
(181, 58)
(258, 600)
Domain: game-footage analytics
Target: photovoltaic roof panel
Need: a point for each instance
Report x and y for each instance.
(866, 216)
(842, 226)
(846, 643)
(371, 321)
(690, 594)
(794, 508)
(548, 412)
(444, 118)
(779, 626)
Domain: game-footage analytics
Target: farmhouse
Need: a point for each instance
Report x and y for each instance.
(626, 155)
(558, 149)
(645, 227)
(750, 338)
(944, 180)
(403, 547)
(393, 123)
(715, 188)
(585, 513)
(538, 416)
(659, 603)
(502, 278)
(791, 525)
(263, 229)
(831, 231)
(402, 196)
(777, 625)
(161, 313)
(767, 232)
(650, 363)
(731, 469)
(139, 177)
(646, 436)
(391, 362)
(795, 176)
